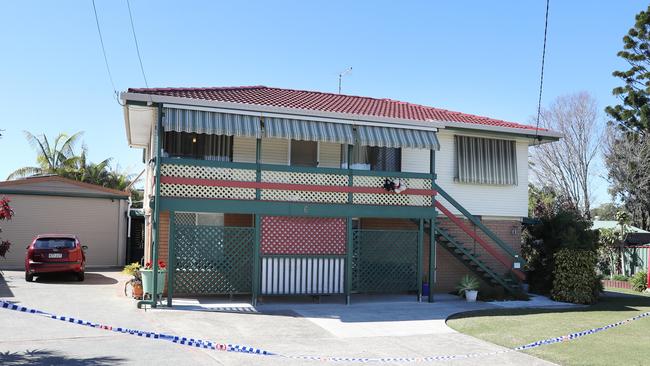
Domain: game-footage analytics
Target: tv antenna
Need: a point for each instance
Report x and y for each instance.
(342, 74)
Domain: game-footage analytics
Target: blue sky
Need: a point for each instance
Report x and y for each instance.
(475, 57)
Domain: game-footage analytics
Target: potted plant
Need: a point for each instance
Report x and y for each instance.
(147, 278)
(135, 282)
(468, 287)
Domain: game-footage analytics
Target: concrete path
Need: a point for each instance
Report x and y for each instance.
(370, 327)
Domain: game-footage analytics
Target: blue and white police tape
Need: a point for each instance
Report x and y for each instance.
(227, 347)
(171, 338)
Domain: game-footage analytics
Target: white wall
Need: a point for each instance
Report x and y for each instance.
(416, 160)
(98, 222)
(481, 199)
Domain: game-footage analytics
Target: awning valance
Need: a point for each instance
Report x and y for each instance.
(397, 137)
(285, 128)
(214, 123)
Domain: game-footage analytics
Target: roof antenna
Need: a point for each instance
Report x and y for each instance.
(342, 74)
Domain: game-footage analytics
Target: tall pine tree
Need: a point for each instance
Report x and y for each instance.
(633, 113)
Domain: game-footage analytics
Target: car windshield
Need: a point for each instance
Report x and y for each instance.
(52, 243)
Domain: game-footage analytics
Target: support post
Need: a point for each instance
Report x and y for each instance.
(258, 171)
(432, 228)
(348, 261)
(156, 216)
(255, 283)
(171, 266)
(420, 257)
(350, 177)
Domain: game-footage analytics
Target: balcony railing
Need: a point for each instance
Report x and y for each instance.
(188, 178)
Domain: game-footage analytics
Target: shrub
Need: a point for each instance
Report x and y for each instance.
(575, 278)
(639, 281)
(620, 277)
(468, 283)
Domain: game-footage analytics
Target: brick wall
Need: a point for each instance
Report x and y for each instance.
(450, 270)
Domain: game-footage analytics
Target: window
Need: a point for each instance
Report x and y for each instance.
(485, 161)
(198, 146)
(54, 243)
(373, 158)
(304, 153)
(200, 219)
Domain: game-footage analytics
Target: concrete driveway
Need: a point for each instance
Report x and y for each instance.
(370, 327)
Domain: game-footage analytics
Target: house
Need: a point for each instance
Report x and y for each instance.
(56, 205)
(637, 246)
(269, 191)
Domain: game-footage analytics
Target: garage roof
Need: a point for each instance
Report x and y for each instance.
(54, 185)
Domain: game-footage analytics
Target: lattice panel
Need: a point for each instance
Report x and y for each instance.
(303, 235)
(384, 261)
(303, 196)
(213, 260)
(206, 172)
(391, 199)
(188, 190)
(305, 178)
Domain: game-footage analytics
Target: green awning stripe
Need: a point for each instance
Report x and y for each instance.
(286, 128)
(397, 137)
(214, 123)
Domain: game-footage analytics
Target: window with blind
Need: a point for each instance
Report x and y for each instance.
(485, 161)
(387, 159)
(198, 146)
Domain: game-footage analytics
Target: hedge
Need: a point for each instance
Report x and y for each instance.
(575, 277)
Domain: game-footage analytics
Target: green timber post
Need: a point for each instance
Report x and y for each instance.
(156, 215)
(432, 229)
(255, 281)
(420, 257)
(171, 266)
(349, 235)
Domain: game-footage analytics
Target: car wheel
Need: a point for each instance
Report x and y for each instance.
(80, 276)
(29, 277)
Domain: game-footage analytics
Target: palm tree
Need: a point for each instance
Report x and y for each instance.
(51, 159)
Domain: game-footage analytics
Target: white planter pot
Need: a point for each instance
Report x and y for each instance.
(470, 296)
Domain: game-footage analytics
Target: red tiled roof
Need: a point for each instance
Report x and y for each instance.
(327, 102)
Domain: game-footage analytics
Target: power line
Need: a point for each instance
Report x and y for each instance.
(137, 48)
(101, 41)
(541, 77)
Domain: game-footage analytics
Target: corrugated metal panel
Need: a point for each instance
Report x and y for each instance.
(329, 155)
(397, 137)
(308, 130)
(302, 275)
(244, 149)
(275, 151)
(94, 220)
(416, 160)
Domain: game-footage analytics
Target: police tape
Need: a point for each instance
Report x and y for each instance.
(229, 347)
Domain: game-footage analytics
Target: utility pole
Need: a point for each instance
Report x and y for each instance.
(342, 74)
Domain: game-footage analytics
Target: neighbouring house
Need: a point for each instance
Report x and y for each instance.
(269, 191)
(637, 245)
(57, 205)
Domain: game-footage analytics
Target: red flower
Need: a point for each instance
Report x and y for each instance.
(161, 265)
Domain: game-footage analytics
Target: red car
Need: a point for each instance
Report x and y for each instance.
(55, 253)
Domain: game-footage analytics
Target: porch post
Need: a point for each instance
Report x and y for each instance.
(419, 263)
(255, 281)
(258, 160)
(171, 265)
(432, 229)
(348, 261)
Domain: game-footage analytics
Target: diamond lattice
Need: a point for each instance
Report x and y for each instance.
(212, 259)
(384, 261)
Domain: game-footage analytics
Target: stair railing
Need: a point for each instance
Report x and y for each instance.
(512, 260)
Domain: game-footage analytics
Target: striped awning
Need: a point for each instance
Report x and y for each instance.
(296, 129)
(213, 123)
(397, 137)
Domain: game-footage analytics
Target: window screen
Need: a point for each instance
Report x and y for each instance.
(304, 153)
(373, 158)
(485, 161)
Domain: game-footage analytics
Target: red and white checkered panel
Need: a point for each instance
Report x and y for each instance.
(303, 236)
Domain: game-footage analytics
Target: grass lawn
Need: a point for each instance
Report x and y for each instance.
(628, 344)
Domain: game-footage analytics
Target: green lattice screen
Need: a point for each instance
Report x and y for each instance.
(212, 259)
(384, 261)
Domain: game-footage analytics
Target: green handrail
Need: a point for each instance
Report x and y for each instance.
(480, 225)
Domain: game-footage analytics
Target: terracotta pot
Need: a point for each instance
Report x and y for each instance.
(137, 291)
